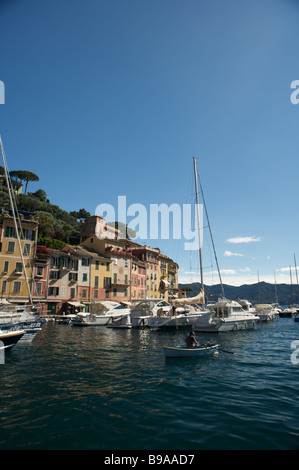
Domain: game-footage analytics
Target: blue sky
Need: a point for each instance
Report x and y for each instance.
(114, 97)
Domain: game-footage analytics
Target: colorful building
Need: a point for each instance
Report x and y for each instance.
(96, 225)
(15, 283)
(71, 279)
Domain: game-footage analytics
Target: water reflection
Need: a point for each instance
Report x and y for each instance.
(97, 387)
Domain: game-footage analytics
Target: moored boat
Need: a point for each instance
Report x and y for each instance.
(122, 322)
(109, 312)
(143, 310)
(10, 337)
(266, 312)
(227, 315)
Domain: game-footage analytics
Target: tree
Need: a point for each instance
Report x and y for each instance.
(187, 289)
(46, 223)
(81, 214)
(40, 194)
(24, 176)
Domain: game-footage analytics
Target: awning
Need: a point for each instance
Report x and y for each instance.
(76, 304)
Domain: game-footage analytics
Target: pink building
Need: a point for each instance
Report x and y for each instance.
(120, 273)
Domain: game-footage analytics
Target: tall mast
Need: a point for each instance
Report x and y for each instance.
(198, 222)
(291, 285)
(208, 220)
(15, 220)
(276, 296)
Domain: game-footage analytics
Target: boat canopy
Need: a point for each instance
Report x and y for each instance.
(198, 299)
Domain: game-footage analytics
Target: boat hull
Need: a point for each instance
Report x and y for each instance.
(9, 338)
(200, 350)
(218, 325)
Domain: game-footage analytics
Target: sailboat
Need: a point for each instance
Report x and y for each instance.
(12, 316)
(179, 316)
(224, 315)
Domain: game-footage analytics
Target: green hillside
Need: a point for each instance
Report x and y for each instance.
(56, 226)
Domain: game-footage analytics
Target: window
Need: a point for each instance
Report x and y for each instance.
(74, 265)
(64, 263)
(53, 291)
(107, 266)
(107, 294)
(114, 292)
(107, 282)
(54, 274)
(55, 263)
(73, 292)
(85, 261)
(6, 264)
(10, 232)
(26, 249)
(19, 268)
(96, 294)
(97, 265)
(96, 281)
(114, 278)
(4, 284)
(83, 293)
(10, 247)
(28, 234)
(84, 277)
(126, 279)
(126, 263)
(73, 277)
(38, 288)
(39, 271)
(16, 287)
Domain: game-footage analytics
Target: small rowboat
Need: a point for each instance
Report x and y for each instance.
(189, 352)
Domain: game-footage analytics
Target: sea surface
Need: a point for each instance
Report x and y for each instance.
(109, 389)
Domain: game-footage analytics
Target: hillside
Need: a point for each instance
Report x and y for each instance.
(55, 224)
(255, 293)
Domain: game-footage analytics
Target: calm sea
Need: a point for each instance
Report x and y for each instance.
(100, 388)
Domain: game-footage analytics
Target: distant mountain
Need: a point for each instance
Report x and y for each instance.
(262, 292)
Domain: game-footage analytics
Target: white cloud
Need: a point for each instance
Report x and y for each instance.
(244, 239)
(286, 270)
(229, 253)
(244, 270)
(227, 271)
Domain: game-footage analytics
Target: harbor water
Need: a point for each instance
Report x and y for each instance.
(111, 389)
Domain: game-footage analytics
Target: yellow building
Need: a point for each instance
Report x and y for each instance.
(100, 268)
(12, 276)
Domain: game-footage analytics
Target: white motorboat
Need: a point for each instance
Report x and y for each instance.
(143, 310)
(122, 322)
(109, 311)
(227, 315)
(266, 312)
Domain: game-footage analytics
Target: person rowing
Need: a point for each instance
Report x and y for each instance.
(191, 340)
